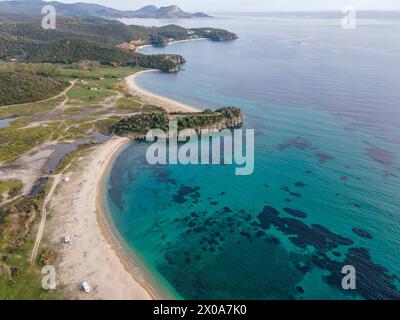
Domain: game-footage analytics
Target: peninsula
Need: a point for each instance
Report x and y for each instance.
(62, 93)
(137, 126)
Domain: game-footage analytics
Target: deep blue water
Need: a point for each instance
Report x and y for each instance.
(324, 103)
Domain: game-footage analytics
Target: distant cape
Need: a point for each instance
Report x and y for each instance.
(33, 8)
(169, 12)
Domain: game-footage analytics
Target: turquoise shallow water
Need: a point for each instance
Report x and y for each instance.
(324, 193)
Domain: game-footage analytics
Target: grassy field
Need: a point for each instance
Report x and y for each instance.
(16, 142)
(128, 105)
(41, 122)
(29, 109)
(82, 94)
(10, 188)
(26, 282)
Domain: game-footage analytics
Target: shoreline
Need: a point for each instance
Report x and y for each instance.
(155, 99)
(140, 48)
(132, 264)
(97, 253)
(94, 254)
(79, 210)
(108, 228)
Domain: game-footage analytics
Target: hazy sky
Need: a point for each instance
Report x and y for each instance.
(251, 5)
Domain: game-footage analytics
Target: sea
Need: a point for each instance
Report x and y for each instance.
(319, 218)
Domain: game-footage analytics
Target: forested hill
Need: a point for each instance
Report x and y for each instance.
(110, 32)
(106, 41)
(75, 50)
(18, 88)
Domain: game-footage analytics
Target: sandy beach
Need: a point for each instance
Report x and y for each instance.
(140, 48)
(187, 40)
(154, 99)
(93, 254)
(76, 209)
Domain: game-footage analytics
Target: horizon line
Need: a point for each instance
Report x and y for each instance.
(229, 11)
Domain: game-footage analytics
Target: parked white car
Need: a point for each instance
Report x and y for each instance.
(85, 287)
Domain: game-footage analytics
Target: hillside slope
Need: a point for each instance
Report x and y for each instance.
(18, 88)
(106, 41)
(107, 32)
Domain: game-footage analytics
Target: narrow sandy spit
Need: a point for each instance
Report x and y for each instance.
(154, 99)
(76, 210)
(187, 40)
(171, 43)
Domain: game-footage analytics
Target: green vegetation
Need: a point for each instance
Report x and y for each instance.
(215, 34)
(97, 40)
(127, 104)
(71, 116)
(48, 256)
(138, 125)
(148, 108)
(112, 75)
(16, 142)
(104, 126)
(19, 279)
(42, 69)
(28, 110)
(82, 111)
(108, 32)
(160, 37)
(16, 88)
(86, 94)
(86, 51)
(75, 50)
(227, 117)
(74, 133)
(26, 83)
(31, 9)
(72, 111)
(10, 188)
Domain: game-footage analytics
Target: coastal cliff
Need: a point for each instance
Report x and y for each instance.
(223, 118)
(136, 127)
(174, 62)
